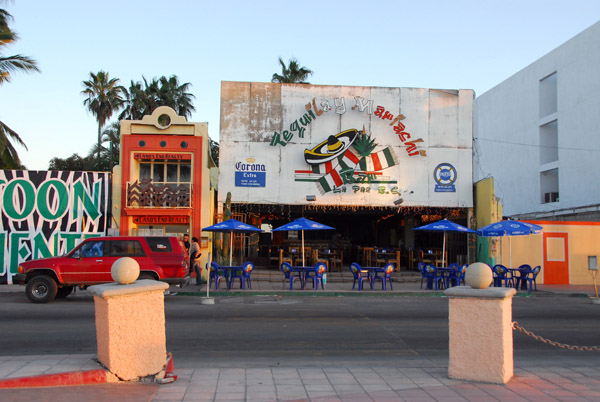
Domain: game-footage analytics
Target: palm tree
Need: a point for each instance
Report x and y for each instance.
(14, 63)
(158, 92)
(292, 73)
(9, 158)
(112, 135)
(103, 98)
(135, 102)
(176, 96)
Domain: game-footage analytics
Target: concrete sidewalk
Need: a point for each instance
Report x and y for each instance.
(410, 381)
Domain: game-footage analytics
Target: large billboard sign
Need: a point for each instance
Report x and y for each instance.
(338, 145)
(47, 213)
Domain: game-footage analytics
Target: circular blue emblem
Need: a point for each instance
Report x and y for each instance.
(444, 174)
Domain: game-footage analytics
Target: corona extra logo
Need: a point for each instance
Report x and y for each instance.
(250, 167)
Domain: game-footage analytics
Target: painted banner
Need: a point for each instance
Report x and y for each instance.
(47, 213)
(337, 145)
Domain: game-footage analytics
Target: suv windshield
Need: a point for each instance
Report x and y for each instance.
(90, 249)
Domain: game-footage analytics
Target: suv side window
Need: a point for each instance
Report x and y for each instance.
(159, 244)
(91, 249)
(125, 248)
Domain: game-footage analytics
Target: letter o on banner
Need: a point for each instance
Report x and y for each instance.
(60, 201)
(19, 194)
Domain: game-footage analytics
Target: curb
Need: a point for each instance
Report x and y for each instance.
(302, 293)
(72, 378)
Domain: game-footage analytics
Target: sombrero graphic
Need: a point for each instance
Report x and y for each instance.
(331, 148)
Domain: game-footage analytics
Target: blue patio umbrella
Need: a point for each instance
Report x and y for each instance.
(229, 226)
(302, 224)
(445, 226)
(509, 228)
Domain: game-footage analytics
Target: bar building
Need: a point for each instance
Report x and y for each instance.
(371, 162)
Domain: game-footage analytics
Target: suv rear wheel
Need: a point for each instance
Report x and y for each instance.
(41, 289)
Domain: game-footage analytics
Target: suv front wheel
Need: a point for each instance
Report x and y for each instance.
(41, 289)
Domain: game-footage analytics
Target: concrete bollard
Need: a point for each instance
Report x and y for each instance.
(130, 328)
(481, 339)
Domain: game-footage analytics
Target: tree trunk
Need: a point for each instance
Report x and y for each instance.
(99, 138)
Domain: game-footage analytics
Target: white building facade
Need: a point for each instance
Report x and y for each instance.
(538, 134)
(345, 146)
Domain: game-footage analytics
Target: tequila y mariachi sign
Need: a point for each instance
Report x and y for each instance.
(47, 213)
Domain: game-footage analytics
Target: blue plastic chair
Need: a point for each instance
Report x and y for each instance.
(521, 280)
(289, 274)
(216, 274)
(502, 276)
(433, 278)
(359, 276)
(316, 275)
(384, 275)
(530, 278)
(421, 267)
(453, 275)
(244, 275)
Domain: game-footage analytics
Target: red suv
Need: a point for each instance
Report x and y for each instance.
(160, 258)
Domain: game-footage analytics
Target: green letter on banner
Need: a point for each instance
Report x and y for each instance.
(2, 245)
(40, 247)
(91, 206)
(28, 199)
(62, 195)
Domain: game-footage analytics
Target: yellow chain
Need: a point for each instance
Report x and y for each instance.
(515, 325)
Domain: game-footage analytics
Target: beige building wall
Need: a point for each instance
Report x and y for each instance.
(581, 240)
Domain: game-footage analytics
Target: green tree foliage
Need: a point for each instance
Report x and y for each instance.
(214, 150)
(9, 158)
(104, 96)
(111, 136)
(292, 73)
(142, 98)
(73, 162)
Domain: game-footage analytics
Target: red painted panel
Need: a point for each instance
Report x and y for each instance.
(556, 272)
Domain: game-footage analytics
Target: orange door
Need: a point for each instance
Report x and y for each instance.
(556, 258)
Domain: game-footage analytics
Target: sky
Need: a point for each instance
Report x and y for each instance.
(442, 44)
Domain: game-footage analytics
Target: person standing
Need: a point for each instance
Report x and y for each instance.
(195, 255)
(186, 242)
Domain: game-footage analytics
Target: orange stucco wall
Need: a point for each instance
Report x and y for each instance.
(173, 138)
(130, 145)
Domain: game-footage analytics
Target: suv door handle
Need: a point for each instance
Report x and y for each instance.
(98, 260)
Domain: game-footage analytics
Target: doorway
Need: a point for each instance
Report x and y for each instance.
(556, 258)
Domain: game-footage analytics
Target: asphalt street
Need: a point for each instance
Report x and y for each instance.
(269, 331)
